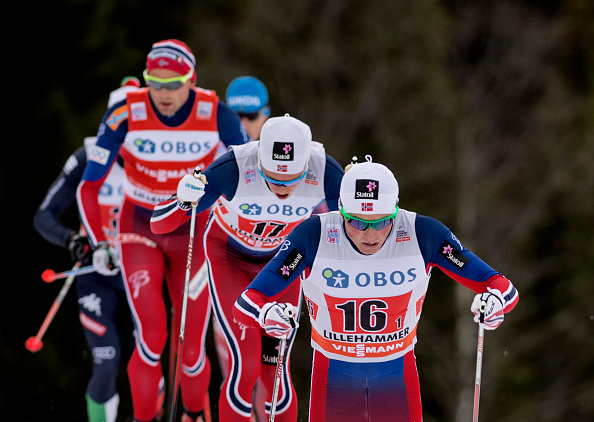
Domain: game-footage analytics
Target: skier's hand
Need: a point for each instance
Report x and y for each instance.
(191, 188)
(106, 259)
(278, 319)
(490, 316)
(79, 247)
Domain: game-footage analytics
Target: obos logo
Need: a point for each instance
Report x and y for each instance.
(336, 278)
(339, 279)
(145, 146)
(251, 209)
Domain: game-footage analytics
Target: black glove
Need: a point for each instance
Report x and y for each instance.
(79, 247)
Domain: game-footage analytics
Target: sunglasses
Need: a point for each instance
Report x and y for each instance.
(250, 116)
(281, 183)
(170, 84)
(253, 116)
(363, 225)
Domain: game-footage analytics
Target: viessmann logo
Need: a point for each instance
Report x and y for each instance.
(340, 279)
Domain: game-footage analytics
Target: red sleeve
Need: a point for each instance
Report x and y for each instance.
(248, 306)
(89, 210)
(168, 215)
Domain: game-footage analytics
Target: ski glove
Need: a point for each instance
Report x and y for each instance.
(191, 188)
(491, 315)
(105, 259)
(79, 247)
(278, 319)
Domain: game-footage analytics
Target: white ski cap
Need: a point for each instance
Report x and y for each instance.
(369, 188)
(284, 145)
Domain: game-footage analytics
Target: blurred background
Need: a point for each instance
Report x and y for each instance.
(484, 110)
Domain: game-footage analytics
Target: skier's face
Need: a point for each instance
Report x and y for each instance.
(168, 102)
(368, 241)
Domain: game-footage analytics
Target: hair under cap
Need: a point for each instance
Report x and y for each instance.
(246, 94)
(369, 188)
(173, 55)
(284, 145)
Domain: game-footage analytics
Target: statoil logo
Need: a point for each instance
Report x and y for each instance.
(340, 279)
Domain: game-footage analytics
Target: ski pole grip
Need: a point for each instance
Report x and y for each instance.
(482, 309)
(198, 175)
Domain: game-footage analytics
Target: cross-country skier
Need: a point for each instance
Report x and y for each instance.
(101, 299)
(163, 132)
(367, 270)
(260, 191)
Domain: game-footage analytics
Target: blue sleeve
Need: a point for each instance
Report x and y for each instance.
(332, 178)
(223, 177)
(441, 248)
(231, 131)
(60, 195)
(296, 254)
(109, 141)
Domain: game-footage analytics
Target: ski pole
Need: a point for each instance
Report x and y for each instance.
(479, 362)
(34, 343)
(50, 275)
(290, 313)
(182, 326)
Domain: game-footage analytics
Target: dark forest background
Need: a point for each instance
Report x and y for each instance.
(484, 110)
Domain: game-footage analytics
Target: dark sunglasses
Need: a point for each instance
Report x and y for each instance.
(363, 225)
(250, 116)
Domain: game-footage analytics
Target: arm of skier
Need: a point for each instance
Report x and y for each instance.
(231, 131)
(295, 255)
(222, 178)
(60, 195)
(442, 249)
(112, 131)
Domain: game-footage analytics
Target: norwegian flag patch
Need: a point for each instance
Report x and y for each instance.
(367, 206)
(281, 168)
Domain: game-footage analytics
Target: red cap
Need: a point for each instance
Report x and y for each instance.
(173, 55)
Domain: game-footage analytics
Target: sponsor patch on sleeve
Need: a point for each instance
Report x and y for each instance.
(453, 255)
(290, 264)
(99, 155)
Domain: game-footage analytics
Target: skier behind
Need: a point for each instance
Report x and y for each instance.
(163, 132)
(260, 191)
(101, 298)
(366, 271)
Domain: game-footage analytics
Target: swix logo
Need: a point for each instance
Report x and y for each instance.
(137, 280)
(340, 280)
(91, 303)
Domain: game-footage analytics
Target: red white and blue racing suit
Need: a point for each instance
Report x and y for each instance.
(246, 227)
(158, 150)
(101, 299)
(364, 309)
